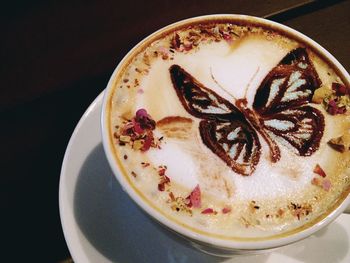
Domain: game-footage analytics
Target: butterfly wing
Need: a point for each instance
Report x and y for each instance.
(281, 101)
(223, 128)
(290, 84)
(198, 100)
(235, 142)
(300, 127)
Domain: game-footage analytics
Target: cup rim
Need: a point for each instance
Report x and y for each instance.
(155, 214)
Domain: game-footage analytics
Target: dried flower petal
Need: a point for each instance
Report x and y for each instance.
(318, 170)
(340, 89)
(226, 210)
(161, 171)
(161, 186)
(316, 181)
(141, 113)
(335, 100)
(226, 36)
(145, 120)
(147, 143)
(164, 180)
(326, 185)
(138, 132)
(195, 197)
(333, 108)
(208, 211)
(137, 127)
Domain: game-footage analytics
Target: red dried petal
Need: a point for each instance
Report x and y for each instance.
(340, 90)
(226, 210)
(137, 127)
(195, 197)
(161, 186)
(147, 143)
(188, 202)
(161, 172)
(141, 113)
(226, 36)
(318, 170)
(208, 211)
(334, 109)
(145, 120)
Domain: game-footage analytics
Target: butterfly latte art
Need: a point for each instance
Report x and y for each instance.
(231, 130)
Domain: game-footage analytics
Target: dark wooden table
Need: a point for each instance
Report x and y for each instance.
(57, 56)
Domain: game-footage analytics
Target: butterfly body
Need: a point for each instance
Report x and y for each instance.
(280, 112)
(255, 120)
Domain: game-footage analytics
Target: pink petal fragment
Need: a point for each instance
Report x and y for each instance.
(326, 185)
(340, 89)
(137, 127)
(147, 143)
(334, 109)
(208, 211)
(141, 113)
(195, 197)
(226, 210)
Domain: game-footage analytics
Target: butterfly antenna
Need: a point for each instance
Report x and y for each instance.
(228, 93)
(250, 82)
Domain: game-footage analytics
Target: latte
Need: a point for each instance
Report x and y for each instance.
(232, 130)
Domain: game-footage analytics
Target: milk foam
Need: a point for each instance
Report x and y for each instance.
(235, 69)
(241, 69)
(287, 177)
(182, 168)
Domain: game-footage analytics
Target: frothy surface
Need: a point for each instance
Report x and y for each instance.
(181, 165)
(277, 196)
(238, 69)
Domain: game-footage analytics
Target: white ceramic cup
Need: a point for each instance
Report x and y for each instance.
(213, 245)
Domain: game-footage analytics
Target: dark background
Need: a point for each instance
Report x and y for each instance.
(57, 56)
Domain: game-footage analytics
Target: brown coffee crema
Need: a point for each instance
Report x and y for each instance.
(226, 128)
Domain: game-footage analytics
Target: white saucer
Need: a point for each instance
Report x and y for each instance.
(101, 224)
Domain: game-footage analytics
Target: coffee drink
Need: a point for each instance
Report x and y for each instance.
(232, 129)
